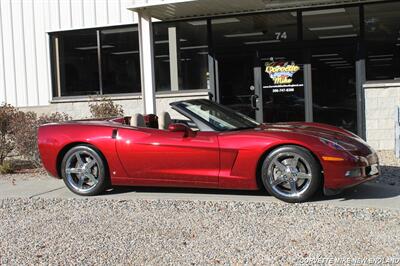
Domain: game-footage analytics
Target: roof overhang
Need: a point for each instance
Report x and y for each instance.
(184, 9)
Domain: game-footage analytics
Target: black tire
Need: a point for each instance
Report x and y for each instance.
(98, 171)
(304, 174)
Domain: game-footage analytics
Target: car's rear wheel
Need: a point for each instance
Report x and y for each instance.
(83, 171)
(291, 173)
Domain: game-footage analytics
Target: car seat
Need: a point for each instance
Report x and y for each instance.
(164, 120)
(137, 120)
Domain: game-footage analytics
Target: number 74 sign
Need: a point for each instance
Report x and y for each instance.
(281, 35)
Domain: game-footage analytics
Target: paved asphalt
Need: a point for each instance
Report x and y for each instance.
(370, 195)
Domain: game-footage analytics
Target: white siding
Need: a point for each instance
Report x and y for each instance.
(3, 94)
(24, 43)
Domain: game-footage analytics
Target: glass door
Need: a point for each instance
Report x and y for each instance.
(236, 82)
(282, 76)
(236, 44)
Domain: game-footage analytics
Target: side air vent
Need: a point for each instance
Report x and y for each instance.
(114, 133)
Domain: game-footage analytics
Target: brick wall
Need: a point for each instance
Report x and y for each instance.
(381, 100)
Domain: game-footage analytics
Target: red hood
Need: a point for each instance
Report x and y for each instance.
(313, 129)
(353, 143)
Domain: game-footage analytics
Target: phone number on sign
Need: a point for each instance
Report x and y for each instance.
(354, 261)
(283, 90)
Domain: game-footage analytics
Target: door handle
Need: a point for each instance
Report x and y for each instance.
(253, 100)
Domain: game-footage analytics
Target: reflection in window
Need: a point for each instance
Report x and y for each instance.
(181, 53)
(331, 24)
(75, 63)
(120, 61)
(247, 32)
(283, 90)
(334, 86)
(382, 33)
(236, 42)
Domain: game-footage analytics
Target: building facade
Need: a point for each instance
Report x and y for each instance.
(331, 61)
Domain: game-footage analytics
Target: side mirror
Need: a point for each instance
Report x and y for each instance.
(187, 132)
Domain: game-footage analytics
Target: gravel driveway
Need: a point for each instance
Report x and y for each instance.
(158, 232)
(390, 168)
(95, 231)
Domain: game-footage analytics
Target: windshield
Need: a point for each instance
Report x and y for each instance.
(219, 117)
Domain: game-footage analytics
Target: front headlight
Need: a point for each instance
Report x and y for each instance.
(338, 145)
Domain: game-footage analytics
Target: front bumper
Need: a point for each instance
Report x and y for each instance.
(351, 172)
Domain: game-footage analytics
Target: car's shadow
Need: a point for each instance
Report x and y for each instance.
(175, 190)
(369, 190)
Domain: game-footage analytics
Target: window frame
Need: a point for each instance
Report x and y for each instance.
(54, 67)
(55, 79)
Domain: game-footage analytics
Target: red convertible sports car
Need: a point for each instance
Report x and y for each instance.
(210, 146)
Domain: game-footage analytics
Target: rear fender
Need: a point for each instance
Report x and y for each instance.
(56, 139)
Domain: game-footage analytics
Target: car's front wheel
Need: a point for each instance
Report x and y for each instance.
(291, 173)
(83, 171)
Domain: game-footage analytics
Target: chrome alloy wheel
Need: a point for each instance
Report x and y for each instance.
(82, 171)
(289, 174)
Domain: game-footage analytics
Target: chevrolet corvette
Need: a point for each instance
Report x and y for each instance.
(207, 146)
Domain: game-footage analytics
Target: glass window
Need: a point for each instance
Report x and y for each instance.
(75, 63)
(120, 60)
(331, 24)
(181, 55)
(238, 42)
(248, 32)
(334, 85)
(382, 34)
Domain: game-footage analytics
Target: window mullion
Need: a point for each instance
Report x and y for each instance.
(99, 61)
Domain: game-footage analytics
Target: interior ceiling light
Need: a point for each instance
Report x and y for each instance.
(324, 55)
(105, 46)
(380, 55)
(320, 12)
(123, 30)
(166, 41)
(259, 33)
(348, 26)
(380, 59)
(125, 52)
(267, 41)
(194, 47)
(337, 36)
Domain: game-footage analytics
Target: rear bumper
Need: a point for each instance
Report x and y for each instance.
(351, 172)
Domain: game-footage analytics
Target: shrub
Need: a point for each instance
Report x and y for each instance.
(53, 118)
(6, 168)
(105, 108)
(7, 140)
(25, 130)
